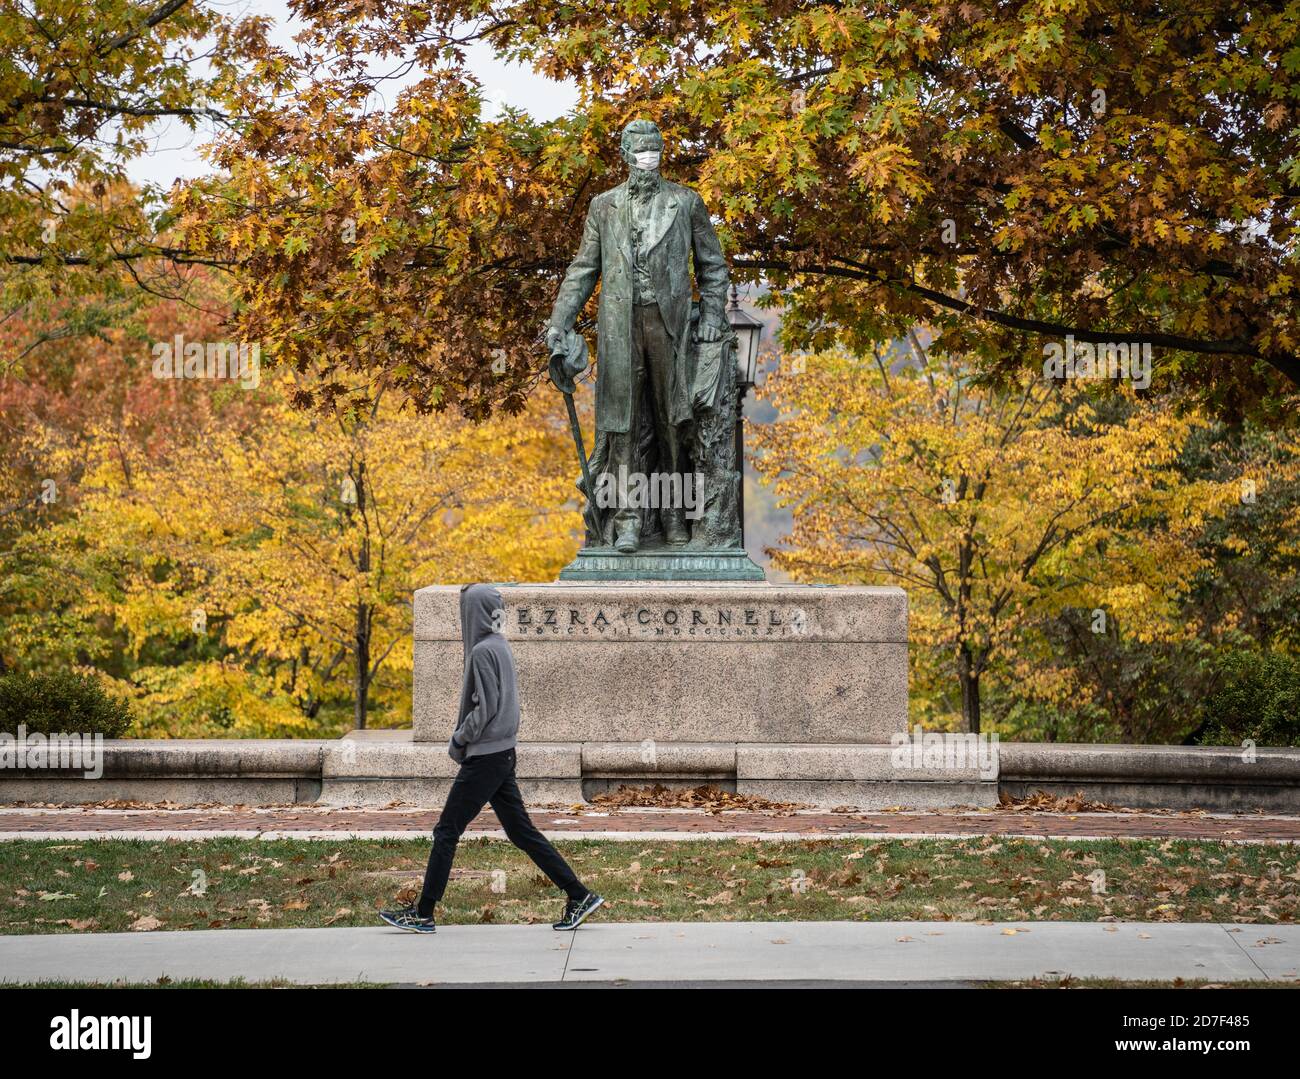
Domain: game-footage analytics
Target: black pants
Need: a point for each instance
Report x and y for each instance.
(490, 778)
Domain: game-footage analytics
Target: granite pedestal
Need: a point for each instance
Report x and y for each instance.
(776, 690)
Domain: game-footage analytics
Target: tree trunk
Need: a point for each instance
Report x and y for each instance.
(361, 681)
(969, 676)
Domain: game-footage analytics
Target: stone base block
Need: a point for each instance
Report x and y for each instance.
(847, 763)
(153, 790)
(186, 771)
(906, 794)
(395, 768)
(376, 771)
(1221, 779)
(867, 777)
(407, 759)
(702, 662)
(651, 761)
(432, 793)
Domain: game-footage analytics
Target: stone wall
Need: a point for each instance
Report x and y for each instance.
(375, 768)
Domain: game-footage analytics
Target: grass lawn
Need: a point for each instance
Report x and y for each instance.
(116, 885)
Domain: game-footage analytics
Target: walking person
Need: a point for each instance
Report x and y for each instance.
(483, 744)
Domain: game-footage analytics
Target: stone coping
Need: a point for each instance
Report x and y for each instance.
(201, 757)
(1018, 761)
(1193, 764)
(645, 761)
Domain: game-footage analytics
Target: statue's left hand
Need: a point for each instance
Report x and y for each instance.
(708, 331)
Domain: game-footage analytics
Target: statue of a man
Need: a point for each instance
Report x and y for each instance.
(638, 241)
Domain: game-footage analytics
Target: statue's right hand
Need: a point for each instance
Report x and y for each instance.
(568, 357)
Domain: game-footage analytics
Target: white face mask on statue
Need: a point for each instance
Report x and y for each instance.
(647, 160)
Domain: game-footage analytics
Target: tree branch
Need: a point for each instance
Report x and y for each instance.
(1287, 364)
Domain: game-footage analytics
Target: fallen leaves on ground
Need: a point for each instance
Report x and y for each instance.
(710, 798)
(131, 803)
(79, 925)
(1039, 801)
(146, 924)
(1042, 802)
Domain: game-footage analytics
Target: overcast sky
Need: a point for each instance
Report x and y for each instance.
(176, 149)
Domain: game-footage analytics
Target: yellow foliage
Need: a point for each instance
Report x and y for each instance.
(282, 554)
(995, 510)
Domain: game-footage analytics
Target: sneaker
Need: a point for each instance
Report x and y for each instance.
(577, 911)
(408, 918)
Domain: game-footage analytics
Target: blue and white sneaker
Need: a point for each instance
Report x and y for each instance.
(577, 911)
(408, 918)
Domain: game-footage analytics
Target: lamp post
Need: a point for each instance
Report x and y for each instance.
(747, 330)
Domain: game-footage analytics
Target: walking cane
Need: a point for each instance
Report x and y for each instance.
(559, 368)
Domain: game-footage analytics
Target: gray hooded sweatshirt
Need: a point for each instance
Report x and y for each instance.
(488, 719)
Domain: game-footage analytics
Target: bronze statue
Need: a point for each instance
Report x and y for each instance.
(665, 376)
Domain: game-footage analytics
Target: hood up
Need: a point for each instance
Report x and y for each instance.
(479, 604)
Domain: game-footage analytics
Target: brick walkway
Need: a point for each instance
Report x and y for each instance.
(669, 823)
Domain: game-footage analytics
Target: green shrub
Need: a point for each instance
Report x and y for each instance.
(1258, 697)
(60, 703)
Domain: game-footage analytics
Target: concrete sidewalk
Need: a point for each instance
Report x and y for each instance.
(670, 952)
